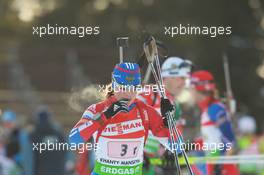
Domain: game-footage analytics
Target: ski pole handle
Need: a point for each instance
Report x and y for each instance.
(122, 42)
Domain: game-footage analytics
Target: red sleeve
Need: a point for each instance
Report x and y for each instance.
(92, 119)
(94, 111)
(156, 123)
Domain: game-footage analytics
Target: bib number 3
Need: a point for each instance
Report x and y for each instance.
(123, 150)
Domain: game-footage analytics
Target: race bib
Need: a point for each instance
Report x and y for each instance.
(123, 150)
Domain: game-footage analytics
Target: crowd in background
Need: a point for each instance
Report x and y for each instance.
(17, 156)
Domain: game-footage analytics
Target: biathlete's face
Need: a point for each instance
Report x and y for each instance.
(175, 85)
(194, 94)
(197, 95)
(125, 92)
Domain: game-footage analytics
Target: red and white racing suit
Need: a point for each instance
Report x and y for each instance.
(120, 140)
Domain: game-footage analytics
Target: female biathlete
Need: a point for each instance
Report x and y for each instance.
(120, 125)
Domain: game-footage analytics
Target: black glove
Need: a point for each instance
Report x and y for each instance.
(165, 108)
(119, 106)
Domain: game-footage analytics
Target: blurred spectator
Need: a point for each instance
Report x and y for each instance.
(216, 124)
(8, 166)
(52, 161)
(17, 144)
(248, 144)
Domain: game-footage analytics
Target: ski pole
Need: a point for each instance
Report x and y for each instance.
(122, 42)
(230, 98)
(171, 119)
(151, 52)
